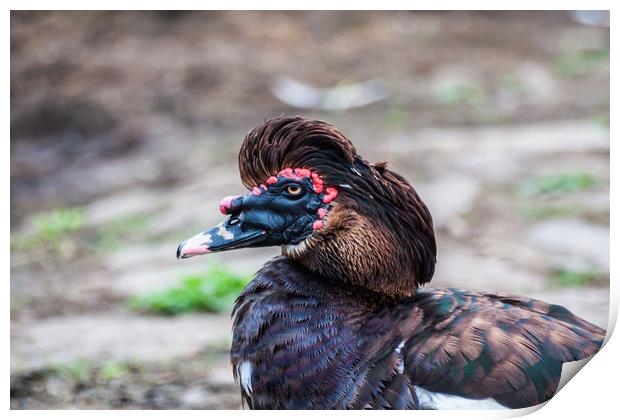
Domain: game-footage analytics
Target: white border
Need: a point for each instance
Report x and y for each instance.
(592, 394)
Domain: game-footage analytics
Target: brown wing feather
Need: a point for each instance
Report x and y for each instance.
(503, 347)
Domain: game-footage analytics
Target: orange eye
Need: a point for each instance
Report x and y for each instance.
(293, 189)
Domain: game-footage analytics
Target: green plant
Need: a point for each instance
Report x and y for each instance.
(579, 63)
(571, 278)
(109, 235)
(57, 227)
(54, 225)
(544, 212)
(601, 120)
(113, 370)
(213, 291)
(397, 118)
(453, 92)
(558, 184)
(51, 229)
(78, 370)
(510, 83)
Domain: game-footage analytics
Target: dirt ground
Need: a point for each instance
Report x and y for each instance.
(136, 119)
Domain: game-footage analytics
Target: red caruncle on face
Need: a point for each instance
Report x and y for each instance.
(328, 194)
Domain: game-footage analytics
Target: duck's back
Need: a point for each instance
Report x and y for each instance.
(306, 342)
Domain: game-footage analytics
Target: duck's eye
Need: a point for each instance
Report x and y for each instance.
(293, 190)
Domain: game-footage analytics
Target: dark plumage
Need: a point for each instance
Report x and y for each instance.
(318, 344)
(340, 320)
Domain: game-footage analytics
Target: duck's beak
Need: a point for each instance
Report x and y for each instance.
(230, 234)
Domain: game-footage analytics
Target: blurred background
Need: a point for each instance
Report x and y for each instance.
(125, 129)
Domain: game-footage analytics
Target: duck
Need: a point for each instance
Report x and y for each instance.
(343, 319)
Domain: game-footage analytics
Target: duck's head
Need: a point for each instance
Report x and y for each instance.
(328, 208)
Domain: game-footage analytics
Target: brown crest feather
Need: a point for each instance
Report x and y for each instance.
(370, 198)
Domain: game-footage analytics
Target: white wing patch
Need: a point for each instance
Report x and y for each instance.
(401, 362)
(245, 376)
(439, 401)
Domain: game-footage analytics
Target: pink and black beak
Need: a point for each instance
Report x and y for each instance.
(283, 211)
(230, 234)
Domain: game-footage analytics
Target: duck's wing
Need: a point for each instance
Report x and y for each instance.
(383, 383)
(489, 346)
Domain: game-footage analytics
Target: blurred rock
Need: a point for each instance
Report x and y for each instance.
(120, 205)
(341, 97)
(145, 269)
(138, 257)
(545, 138)
(572, 243)
(221, 376)
(115, 337)
(147, 280)
(491, 167)
(538, 83)
(591, 17)
(197, 397)
(449, 197)
(468, 271)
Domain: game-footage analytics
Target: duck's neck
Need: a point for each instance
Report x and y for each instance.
(361, 253)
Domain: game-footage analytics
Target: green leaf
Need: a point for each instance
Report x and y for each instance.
(559, 184)
(571, 278)
(582, 62)
(213, 291)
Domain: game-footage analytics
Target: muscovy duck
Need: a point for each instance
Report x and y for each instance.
(340, 319)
